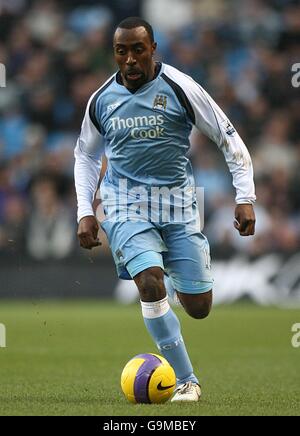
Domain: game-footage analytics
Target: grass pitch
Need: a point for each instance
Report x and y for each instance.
(66, 358)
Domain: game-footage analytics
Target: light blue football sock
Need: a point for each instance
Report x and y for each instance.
(164, 327)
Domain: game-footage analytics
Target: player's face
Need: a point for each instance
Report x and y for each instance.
(133, 52)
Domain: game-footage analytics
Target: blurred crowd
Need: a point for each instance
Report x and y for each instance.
(57, 53)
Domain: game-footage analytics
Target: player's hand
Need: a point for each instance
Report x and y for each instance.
(245, 219)
(88, 232)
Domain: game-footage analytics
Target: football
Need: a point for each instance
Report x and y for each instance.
(148, 378)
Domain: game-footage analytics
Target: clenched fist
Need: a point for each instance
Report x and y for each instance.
(245, 219)
(88, 232)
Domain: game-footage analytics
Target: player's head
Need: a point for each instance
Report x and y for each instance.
(134, 48)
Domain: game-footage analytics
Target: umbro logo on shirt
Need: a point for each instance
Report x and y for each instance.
(112, 107)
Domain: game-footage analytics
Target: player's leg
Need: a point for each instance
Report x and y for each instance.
(187, 263)
(198, 306)
(160, 320)
(128, 241)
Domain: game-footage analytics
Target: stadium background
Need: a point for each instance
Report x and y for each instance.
(57, 53)
(65, 355)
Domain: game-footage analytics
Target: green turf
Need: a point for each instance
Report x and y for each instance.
(66, 359)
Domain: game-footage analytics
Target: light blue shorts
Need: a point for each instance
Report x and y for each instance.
(179, 249)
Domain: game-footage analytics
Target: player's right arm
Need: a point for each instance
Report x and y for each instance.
(87, 169)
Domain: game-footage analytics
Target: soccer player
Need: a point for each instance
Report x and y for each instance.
(142, 117)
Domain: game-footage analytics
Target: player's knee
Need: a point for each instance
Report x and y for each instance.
(151, 284)
(199, 308)
(199, 311)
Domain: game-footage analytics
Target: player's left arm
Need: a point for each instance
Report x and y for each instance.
(212, 121)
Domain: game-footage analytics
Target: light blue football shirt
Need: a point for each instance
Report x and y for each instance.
(146, 133)
(146, 140)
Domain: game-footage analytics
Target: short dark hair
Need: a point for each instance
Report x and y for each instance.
(132, 22)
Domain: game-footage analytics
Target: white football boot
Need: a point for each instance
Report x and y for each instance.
(188, 391)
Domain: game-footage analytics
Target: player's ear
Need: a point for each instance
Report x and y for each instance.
(154, 45)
